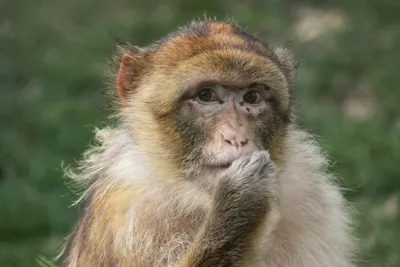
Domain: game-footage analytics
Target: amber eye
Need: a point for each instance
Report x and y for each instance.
(251, 97)
(206, 94)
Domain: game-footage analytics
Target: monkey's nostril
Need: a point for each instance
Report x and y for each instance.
(243, 143)
(228, 141)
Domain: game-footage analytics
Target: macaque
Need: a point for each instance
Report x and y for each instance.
(206, 165)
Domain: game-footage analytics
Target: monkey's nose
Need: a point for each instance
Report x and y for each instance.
(237, 143)
(234, 139)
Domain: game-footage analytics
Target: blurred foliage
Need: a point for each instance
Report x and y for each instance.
(52, 95)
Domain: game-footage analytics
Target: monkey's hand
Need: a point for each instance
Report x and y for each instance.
(245, 193)
(244, 196)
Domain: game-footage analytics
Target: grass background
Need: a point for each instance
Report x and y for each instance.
(52, 95)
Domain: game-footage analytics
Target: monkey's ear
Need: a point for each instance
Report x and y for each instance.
(128, 76)
(288, 63)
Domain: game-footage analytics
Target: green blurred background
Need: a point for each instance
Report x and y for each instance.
(52, 95)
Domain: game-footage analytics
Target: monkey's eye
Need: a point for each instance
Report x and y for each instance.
(206, 94)
(251, 97)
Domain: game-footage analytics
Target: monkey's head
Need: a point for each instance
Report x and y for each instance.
(205, 95)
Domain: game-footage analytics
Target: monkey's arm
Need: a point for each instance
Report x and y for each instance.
(241, 204)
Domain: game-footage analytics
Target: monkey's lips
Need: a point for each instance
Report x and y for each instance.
(222, 165)
(220, 162)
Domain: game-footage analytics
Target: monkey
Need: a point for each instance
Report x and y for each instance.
(207, 165)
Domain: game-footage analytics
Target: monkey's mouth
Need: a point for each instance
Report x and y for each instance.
(224, 165)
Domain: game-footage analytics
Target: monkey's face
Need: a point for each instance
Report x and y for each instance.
(226, 122)
(220, 123)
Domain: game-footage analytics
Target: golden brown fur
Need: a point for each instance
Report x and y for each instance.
(140, 208)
